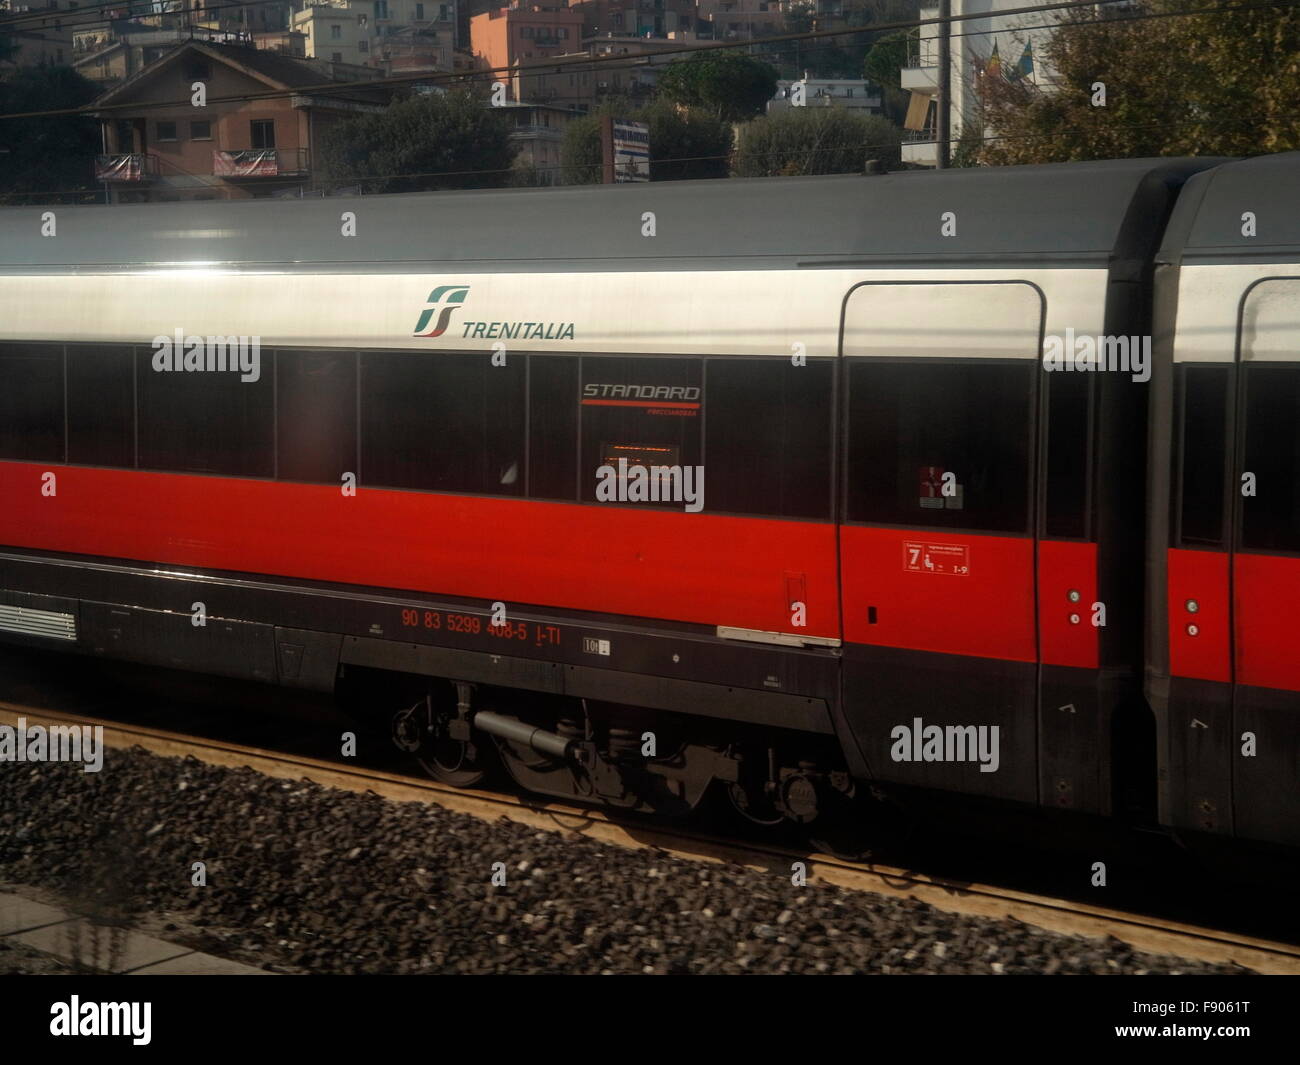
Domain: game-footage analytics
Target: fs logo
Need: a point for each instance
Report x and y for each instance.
(455, 296)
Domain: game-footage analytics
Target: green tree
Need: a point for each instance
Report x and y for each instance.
(1225, 82)
(684, 143)
(580, 151)
(40, 157)
(883, 67)
(970, 145)
(525, 175)
(815, 140)
(731, 85)
(421, 142)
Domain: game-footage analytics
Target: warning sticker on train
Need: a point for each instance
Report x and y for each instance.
(936, 558)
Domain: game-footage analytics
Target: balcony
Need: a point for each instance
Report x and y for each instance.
(920, 146)
(535, 129)
(921, 71)
(634, 90)
(260, 163)
(921, 74)
(136, 168)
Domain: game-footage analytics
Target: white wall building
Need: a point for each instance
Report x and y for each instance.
(825, 92)
(361, 31)
(971, 53)
(334, 32)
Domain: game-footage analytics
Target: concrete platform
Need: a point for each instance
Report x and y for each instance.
(63, 935)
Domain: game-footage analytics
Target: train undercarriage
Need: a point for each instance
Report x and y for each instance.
(625, 757)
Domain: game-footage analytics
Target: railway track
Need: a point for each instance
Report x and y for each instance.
(1142, 932)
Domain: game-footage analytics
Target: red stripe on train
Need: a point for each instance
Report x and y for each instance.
(1268, 621)
(1067, 633)
(637, 403)
(953, 593)
(1198, 638)
(610, 559)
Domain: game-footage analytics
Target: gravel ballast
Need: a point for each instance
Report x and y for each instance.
(302, 878)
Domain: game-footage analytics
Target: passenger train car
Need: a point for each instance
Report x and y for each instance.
(779, 487)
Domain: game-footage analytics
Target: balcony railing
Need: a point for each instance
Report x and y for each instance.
(922, 52)
(132, 167)
(260, 163)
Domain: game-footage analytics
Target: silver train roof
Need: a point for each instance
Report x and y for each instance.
(1207, 222)
(1070, 213)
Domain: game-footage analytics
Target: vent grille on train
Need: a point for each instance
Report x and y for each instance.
(29, 622)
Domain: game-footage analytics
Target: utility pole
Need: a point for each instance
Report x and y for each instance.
(607, 149)
(943, 127)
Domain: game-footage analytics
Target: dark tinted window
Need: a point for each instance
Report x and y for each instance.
(31, 402)
(206, 421)
(911, 423)
(553, 427)
(316, 422)
(646, 411)
(1069, 445)
(101, 405)
(1271, 518)
(1201, 400)
(449, 423)
(768, 437)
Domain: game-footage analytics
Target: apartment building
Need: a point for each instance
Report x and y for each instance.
(38, 34)
(395, 35)
(638, 18)
(537, 134)
(337, 32)
(509, 35)
(735, 19)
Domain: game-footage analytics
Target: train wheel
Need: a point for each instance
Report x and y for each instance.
(848, 842)
(424, 732)
(857, 826)
(753, 806)
(455, 763)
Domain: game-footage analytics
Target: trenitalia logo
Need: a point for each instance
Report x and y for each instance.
(455, 296)
(446, 298)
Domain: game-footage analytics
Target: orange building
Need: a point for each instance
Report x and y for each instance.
(509, 35)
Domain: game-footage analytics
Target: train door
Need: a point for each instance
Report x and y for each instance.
(939, 393)
(1197, 614)
(1265, 738)
(1233, 593)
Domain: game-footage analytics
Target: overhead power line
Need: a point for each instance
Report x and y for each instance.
(561, 64)
(1221, 122)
